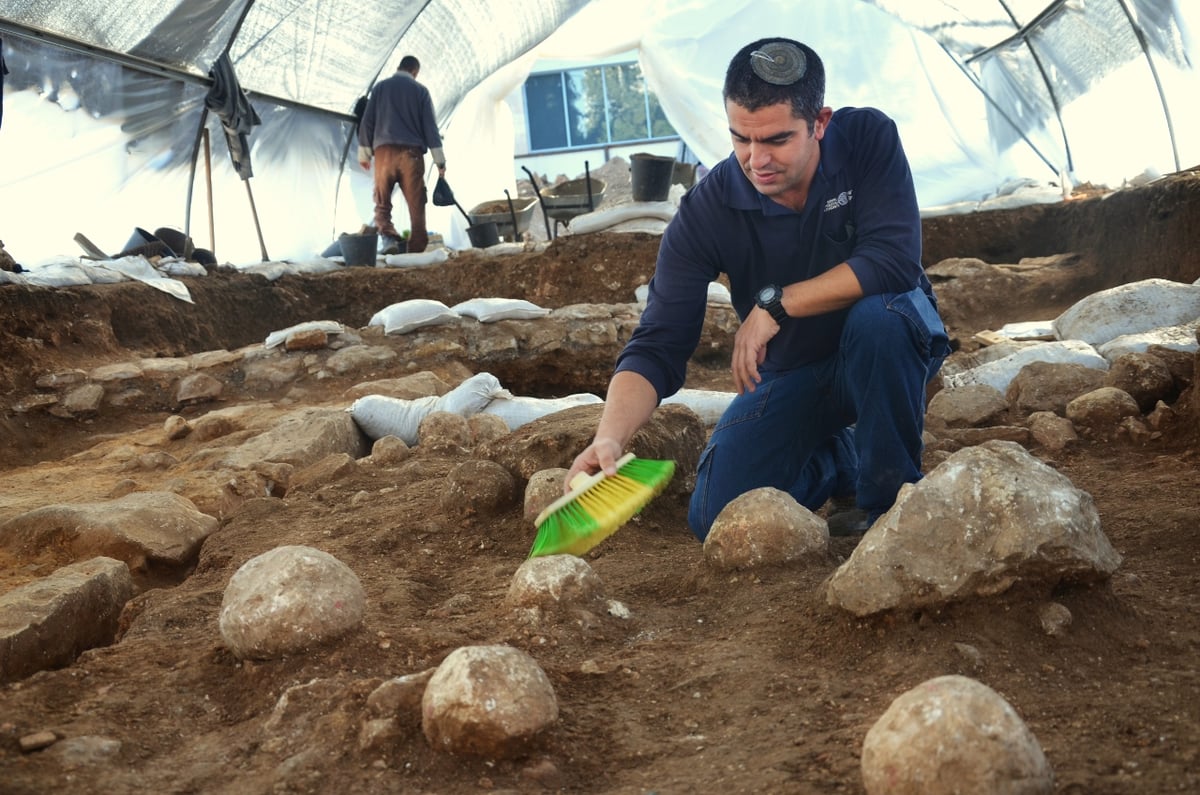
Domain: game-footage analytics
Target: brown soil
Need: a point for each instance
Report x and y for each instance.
(729, 683)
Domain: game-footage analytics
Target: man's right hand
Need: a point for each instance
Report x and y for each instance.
(602, 454)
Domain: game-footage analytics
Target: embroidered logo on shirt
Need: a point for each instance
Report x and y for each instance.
(841, 200)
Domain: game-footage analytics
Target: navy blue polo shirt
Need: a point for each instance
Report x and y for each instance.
(861, 209)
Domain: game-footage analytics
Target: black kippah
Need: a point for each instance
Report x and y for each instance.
(780, 63)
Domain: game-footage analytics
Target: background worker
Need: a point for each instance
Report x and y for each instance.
(814, 219)
(397, 127)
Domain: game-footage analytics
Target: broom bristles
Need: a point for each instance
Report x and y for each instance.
(597, 508)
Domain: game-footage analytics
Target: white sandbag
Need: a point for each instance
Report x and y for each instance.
(1131, 308)
(178, 267)
(415, 313)
(315, 266)
(380, 415)
(271, 271)
(501, 249)
(59, 272)
(139, 268)
(642, 225)
(1023, 198)
(1001, 372)
(709, 404)
(517, 411)
(717, 293)
(328, 326)
(1176, 338)
(101, 275)
(603, 219)
(417, 259)
(473, 395)
(489, 310)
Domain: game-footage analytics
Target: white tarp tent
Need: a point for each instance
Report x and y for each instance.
(104, 105)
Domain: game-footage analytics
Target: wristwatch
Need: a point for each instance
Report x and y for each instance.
(770, 298)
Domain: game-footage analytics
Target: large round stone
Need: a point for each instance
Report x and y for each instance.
(953, 735)
(554, 581)
(487, 701)
(764, 527)
(287, 600)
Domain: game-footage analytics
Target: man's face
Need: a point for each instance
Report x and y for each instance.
(778, 153)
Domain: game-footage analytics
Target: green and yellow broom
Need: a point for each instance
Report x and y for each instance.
(597, 505)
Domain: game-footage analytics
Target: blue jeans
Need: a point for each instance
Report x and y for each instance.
(848, 424)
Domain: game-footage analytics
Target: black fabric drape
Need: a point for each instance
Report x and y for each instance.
(3, 72)
(237, 115)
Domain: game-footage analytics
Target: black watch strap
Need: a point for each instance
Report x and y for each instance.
(773, 303)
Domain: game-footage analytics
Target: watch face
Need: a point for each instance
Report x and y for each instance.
(768, 293)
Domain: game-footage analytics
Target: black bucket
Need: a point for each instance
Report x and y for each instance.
(143, 243)
(651, 176)
(359, 249)
(180, 243)
(484, 235)
(139, 238)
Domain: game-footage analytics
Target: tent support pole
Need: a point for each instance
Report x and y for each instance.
(1162, 97)
(986, 98)
(262, 246)
(1022, 35)
(212, 228)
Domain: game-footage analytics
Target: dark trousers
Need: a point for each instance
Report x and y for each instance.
(793, 432)
(401, 166)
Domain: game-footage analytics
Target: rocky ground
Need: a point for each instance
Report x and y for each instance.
(733, 682)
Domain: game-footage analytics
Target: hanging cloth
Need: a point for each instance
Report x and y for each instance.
(237, 115)
(3, 72)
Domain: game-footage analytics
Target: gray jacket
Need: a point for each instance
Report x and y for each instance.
(400, 112)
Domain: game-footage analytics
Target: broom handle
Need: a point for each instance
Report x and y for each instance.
(579, 484)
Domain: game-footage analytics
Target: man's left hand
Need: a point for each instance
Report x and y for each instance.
(750, 348)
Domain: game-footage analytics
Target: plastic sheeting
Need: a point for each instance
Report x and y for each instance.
(104, 125)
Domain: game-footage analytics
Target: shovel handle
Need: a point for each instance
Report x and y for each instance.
(513, 213)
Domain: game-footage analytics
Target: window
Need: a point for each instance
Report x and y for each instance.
(591, 107)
